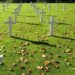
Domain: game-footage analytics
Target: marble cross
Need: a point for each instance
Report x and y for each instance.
(10, 22)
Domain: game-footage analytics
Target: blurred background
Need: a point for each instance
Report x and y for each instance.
(51, 1)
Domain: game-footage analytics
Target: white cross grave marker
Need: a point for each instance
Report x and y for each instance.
(20, 5)
(18, 11)
(7, 4)
(10, 22)
(19, 8)
(15, 13)
(42, 15)
(51, 25)
(4, 6)
(63, 7)
(34, 7)
(37, 10)
(30, 3)
(45, 4)
(56, 6)
(48, 7)
(1, 59)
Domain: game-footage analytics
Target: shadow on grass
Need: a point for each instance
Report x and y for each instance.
(30, 16)
(20, 22)
(35, 42)
(64, 37)
(34, 24)
(59, 23)
(48, 15)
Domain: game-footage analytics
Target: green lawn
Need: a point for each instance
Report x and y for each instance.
(24, 50)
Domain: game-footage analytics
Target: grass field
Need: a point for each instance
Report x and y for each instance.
(31, 46)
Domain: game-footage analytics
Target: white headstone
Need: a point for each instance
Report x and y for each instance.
(10, 22)
(51, 25)
(1, 59)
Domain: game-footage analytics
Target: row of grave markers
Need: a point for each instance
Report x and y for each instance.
(5, 5)
(51, 22)
(48, 6)
(17, 11)
(42, 12)
(10, 22)
(38, 11)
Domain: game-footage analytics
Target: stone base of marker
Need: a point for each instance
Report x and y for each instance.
(50, 34)
(51, 31)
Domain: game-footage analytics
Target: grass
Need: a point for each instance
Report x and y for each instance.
(27, 30)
